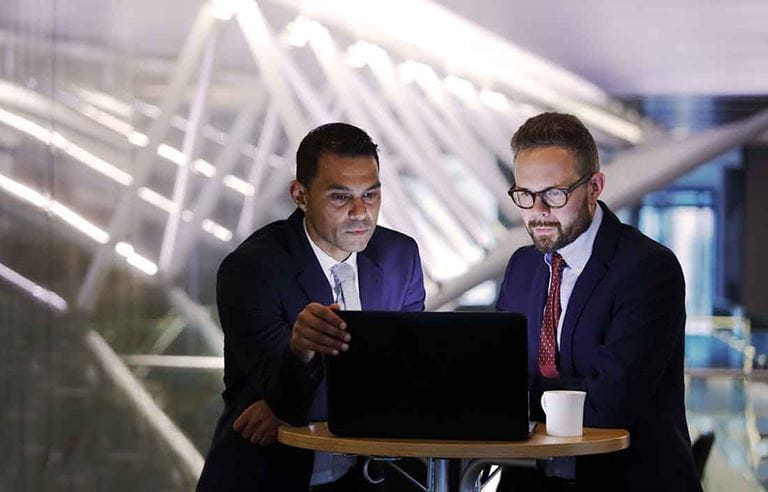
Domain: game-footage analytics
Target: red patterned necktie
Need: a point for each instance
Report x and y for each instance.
(548, 335)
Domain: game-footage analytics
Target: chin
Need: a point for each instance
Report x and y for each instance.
(356, 245)
(545, 245)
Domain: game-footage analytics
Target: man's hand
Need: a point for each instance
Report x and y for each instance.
(319, 329)
(258, 424)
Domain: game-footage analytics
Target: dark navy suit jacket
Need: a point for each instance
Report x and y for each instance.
(622, 342)
(261, 288)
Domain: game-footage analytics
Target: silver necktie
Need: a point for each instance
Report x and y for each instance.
(344, 278)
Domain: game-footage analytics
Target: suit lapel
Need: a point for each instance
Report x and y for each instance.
(370, 277)
(594, 271)
(309, 274)
(535, 311)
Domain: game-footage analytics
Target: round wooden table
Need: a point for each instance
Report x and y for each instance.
(317, 437)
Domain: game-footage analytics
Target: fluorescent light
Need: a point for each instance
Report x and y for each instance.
(462, 88)
(23, 192)
(495, 100)
(92, 161)
(28, 286)
(448, 40)
(423, 74)
(61, 142)
(297, 32)
(177, 157)
(239, 185)
(138, 139)
(171, 153)
(204, 167)
(155, 199)
(362, 53)
(67, 215)
(217, 230)
(133, 258)
(106, 101)
(78, 222)
(224, 9)
(106, 119)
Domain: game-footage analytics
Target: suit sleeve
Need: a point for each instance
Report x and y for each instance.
(415, 294)
(257, 334)
(503, 302)
(647, 327)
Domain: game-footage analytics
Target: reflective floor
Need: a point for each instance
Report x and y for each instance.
(68, 428)
(735, 408)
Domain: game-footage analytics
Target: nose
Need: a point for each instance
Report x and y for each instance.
(358, 209)
(539, 207)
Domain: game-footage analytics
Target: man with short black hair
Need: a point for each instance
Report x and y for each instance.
(606, 315)
(277, 294)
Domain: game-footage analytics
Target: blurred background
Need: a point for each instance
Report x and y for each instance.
(140, 141)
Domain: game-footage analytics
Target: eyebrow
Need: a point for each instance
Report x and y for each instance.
(338, 187)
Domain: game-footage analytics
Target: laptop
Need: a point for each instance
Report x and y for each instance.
(431, 375)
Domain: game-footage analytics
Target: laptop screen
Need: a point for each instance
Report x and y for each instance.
(441, 375)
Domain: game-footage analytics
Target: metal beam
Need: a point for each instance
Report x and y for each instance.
(267, 55)
(189, 149)
(267, 141)
(146, 361)
(208, 197)
(197, 317)
(119, 223)
(154, 417)
(420, 118)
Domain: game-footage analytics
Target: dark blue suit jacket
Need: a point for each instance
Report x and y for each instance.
(261, 288)
(622, 342)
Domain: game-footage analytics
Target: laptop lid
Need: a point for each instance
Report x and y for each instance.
(430, 375)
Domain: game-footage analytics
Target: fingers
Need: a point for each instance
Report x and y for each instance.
(320, 342)
(327, 313)
(257, 424)
(265, 433)
(318, 328)
(240, 423)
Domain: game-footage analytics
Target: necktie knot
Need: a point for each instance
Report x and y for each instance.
(342, 272)
(558, 263)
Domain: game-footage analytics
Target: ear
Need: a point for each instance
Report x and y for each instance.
(299, 195)
(595, 186)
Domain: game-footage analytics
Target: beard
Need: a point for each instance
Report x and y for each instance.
(564, 235)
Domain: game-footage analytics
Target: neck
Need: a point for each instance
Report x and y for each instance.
(326, 247)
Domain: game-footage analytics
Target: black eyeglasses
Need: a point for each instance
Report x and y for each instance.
(553, 197)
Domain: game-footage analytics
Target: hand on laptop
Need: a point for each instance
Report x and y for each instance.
(258, 424)
(318, 329)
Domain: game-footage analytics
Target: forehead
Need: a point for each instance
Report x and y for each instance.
(353, 172)
(542, 167)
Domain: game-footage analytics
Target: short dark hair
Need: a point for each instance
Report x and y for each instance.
(332, 138)
(561, 130)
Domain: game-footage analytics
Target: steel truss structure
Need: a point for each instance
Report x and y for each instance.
(441, 98)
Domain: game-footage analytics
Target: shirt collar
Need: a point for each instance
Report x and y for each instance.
(577, 253)
(326, 261)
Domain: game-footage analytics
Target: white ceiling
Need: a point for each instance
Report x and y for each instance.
(713, 47)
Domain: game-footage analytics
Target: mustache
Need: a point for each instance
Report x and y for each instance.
(353, 226)
(541, 223)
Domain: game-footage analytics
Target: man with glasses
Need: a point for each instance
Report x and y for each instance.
(606, 314)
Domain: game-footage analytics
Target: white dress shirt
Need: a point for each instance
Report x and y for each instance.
(576, 256)
(327, 262)
(330, 467)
